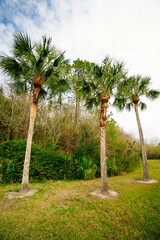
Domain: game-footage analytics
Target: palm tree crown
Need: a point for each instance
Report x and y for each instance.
(131, 89)
(100, 80)
(29, 60)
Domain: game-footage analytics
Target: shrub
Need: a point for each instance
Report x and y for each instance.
(44, 164)
(153, 152)
(12, 158)
(125, 158)
(50, 164)
(88, 147)
(86, 168)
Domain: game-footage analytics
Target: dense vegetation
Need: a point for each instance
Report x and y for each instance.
(153, 152)
(62, 148)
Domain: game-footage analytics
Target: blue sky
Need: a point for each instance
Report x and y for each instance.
(90, 30)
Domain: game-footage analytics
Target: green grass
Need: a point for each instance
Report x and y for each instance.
(66, 210)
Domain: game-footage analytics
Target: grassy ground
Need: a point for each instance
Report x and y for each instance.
(66, 210)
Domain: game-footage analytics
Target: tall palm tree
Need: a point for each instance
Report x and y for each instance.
(32, 65)
(97, 89)
(128, 95)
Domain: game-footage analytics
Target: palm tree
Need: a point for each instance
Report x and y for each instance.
(97, 89)
(32, 65)
(128, 95)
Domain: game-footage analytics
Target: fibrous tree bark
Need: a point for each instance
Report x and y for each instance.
(38, 81)
(104, 181)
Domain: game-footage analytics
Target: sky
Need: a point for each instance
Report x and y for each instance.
(126, 30)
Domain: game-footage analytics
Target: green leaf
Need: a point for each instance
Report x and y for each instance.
(21, 44)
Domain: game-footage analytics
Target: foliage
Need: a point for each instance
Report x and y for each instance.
(86, 168)
(99, 79)
(44, 164)
(88, 141)
(153, 152)
(56, 131)
(123, 154)
(80, 155)
(32, 59)
(125, 159)
(131, 88)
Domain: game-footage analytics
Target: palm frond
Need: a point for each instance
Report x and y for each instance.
(144, 82)
(47, 46)
(128, 106)
(20, 87)
(59, 60)
(142, 105)
(153, 94)
(92, 101)
(120, 103)
(61, 86)
(49, 72)
(43, 93)
(21, 44)
(27, 61)
(83, 87)
(10, 67)
(97, 71)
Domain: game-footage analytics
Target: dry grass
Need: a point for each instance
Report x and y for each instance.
(66, 210)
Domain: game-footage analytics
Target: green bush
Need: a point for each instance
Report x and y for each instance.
(12, 159)
(44, 164)
(125, 158)
(153, 152)
(87, 149)
(86, 168)
(48, 164)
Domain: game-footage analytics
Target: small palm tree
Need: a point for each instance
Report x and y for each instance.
(128, 95)
(97, 89)
(32, 65)
(88, 168)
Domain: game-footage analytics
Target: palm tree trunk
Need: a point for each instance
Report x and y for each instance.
(104, 181)
(38, 81)
(25, 179)
(143, 149)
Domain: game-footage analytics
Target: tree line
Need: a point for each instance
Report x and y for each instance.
(43, 71)
(61, 147)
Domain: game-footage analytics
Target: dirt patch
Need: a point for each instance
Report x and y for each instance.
(20, 194)
(111, 194)
(147, 181)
